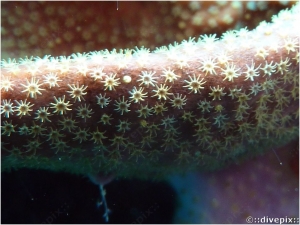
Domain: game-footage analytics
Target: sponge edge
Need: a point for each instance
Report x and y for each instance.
(260, 189)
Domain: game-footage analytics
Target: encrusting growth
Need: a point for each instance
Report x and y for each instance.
(200, 104)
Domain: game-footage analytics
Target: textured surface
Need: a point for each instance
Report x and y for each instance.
(61, 28)
(46, 38)
(200, 104)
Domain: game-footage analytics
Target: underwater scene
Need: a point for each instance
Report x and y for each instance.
(150, 112)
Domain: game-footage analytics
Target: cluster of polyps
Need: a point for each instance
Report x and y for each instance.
(135, 108)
